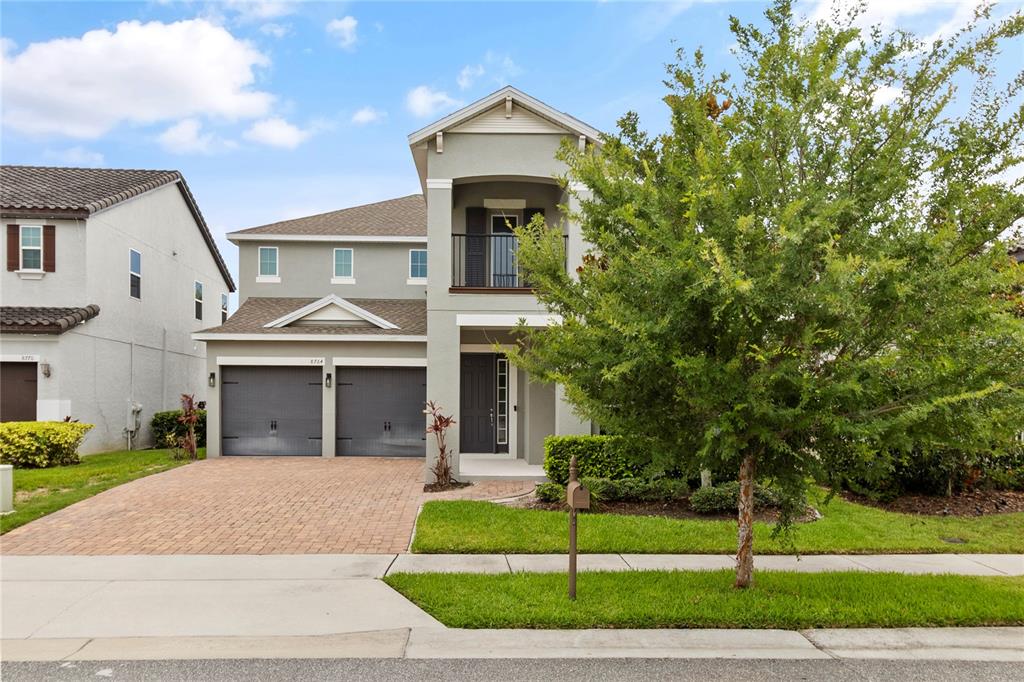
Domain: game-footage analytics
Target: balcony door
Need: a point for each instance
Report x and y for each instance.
(504, 264)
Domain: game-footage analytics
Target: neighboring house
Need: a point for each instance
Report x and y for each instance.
(109, 272)
(350, 320)
(1017, 252)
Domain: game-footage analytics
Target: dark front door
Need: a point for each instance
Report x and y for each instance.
(477, 403)
(18, 391)
(272, 410)
(380, 411)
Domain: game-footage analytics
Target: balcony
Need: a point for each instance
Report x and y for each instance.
(487, 262)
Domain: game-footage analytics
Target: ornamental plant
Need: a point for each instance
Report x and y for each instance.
(806, 269)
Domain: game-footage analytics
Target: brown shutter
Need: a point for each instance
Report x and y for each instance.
(13, 248)
(476, 220)
(49, 248)
(528, 214)
(475, 267)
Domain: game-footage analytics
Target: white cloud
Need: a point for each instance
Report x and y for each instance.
(892, 14)
(469, 74)
(886, 94)
(275, 30)
(260, 10)
(139, 74)
(344, 31)
(187, 137)
(75, 156)
(277, 132)
(425, 101)
(367, 115)
(501, 67)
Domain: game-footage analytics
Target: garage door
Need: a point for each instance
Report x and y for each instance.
(271, 410)
(18, 391)
(380, 411)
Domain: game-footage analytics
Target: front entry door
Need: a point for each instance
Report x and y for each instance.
(477, 404)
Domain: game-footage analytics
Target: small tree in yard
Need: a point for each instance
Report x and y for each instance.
(439, 425)
(798, 276)
(189, 417)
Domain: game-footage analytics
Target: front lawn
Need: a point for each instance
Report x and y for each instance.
(38, 492)
(707, 599)
(846, 528)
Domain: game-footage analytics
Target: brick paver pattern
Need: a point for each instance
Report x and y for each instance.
(274, 505)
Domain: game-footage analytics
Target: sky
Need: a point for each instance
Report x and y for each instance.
(275, 109)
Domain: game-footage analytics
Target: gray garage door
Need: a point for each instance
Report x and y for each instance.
(380, 411)
(271, 410)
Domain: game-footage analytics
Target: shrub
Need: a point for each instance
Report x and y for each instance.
(550, 492)
(37, 445)
(167, 423)
(597, 456)
(725, 498)
(635, 489)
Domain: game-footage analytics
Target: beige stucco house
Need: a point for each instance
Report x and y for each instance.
(350, 320)
(108, 273)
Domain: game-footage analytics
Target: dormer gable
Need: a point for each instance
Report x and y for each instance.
(331, 310)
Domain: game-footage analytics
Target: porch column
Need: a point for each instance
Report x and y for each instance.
(566, 422)
(575, 245)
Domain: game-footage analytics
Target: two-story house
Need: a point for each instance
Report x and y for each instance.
(108, 274)
(350, 320)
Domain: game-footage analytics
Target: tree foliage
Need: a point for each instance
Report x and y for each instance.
(796, 276)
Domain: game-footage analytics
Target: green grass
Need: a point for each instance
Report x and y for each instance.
(44, 491)
(707, 599)
(847, 528)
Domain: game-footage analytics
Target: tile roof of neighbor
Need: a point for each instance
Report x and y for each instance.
(409, 314)
(401, 217)
(58, 192)
(38, 320)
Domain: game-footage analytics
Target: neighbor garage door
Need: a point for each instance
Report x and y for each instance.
(380, 411)
(271, 410)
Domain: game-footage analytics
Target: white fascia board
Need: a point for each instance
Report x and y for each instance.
(200, 336)
(440, 183)
(236, 237)
(330, 299)
(535, 105)
(270, 361)
(379, 362)
(506, 319)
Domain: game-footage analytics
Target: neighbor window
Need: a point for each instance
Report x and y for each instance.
(268, 261)
(418, 264)
(223, 308)
(134, 273)
(343, 264)
(31, 247)
(199, 300)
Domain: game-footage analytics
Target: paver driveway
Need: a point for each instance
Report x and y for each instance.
(274, 505)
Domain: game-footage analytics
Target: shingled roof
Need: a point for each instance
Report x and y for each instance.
(39, 320)
(77, 193)
(401, 217)
(409, 315)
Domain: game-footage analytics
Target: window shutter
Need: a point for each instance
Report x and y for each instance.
(476, 246)
(49, 248)
(528, 214)
(13, 248)
(476, 220)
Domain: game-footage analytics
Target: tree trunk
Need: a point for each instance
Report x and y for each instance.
(705, 478)
(745, 522)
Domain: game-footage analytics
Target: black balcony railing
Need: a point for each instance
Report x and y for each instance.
(488, 261)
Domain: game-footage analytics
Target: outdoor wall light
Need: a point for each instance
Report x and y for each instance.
(213, 379)
(327, 381)
(45, 369)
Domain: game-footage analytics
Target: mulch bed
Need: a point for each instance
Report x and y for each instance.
(679, 509)
(973, 503)
(438, 488)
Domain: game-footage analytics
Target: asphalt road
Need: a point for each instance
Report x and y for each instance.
(491, 670)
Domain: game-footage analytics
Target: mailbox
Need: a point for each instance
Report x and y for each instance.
(577, 496)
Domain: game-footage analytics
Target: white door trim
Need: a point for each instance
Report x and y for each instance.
(380, 362)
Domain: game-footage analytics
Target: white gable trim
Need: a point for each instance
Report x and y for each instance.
(331, 299)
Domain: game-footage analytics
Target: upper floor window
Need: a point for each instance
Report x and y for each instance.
(199, 300)
(417, 265)
(134, 274)
(31, 247)
(223, 308)
(344, 269)
(268, 262)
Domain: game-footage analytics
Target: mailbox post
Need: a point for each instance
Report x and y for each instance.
(577, 497)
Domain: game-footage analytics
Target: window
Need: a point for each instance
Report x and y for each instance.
(504, 247)
(343, 268)
(31, 247)
(268, 263)
(134, 274)
(417, 265)
(223, 308)
(199, 300)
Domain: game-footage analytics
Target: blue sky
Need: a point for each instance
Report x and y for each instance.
(276, 109)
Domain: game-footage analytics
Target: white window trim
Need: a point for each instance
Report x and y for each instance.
(200, 301)
(22, 248)
(335, 279)
(224, 301)
(137, 274)
(416, 280)
(268, 279)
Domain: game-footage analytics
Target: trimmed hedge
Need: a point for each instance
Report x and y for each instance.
(38, 445)
(597, 456)
(164, 423)
(622, 490)
(726, 497)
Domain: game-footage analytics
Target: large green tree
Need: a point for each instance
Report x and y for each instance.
(799, 274)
